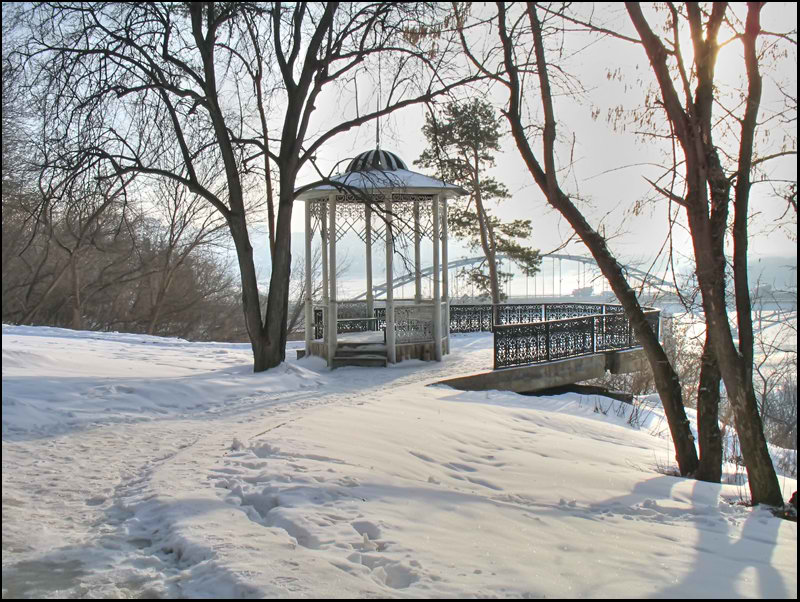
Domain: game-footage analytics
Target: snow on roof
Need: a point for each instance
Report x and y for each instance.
(377, 171)
(375, 181)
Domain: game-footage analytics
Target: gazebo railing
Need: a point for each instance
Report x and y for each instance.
(348, 310)
(413, 323)
(343, 325)
(319, 322)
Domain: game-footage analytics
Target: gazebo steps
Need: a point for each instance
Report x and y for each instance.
(357, 350)
(364, 360)
(360, 354)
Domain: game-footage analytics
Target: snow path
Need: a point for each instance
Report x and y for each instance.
(204, 480)
(86, 543)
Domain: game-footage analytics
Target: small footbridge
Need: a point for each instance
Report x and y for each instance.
(542, 345)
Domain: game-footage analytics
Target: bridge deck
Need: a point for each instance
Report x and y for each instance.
(536, 377)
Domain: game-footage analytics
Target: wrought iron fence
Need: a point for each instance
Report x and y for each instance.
(413, 323)
(561, 311)
(319, 323)
(343, 325)
(470, 318)
(520, 313)
(480, 318)
(535, 342)
(524, 333)
(380, 315)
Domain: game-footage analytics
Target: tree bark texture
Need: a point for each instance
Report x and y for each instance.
(709, 436)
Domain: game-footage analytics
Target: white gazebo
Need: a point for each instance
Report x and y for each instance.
(378, 198)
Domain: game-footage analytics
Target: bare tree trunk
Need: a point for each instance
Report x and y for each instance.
(158, 304)
(28, 317)
(274, 337)
(708, 432)
(744, 309)
(487, 243)
(487, 232)
(77, 319)
(763, 481)
(263, 356)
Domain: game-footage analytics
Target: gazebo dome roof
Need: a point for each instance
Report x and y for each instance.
(379, 171)
(376, 159)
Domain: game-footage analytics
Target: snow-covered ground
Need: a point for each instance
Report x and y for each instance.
(138, 466)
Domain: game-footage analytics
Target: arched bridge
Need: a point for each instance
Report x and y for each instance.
(633, 273)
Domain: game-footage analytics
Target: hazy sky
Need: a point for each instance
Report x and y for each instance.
(608, 166)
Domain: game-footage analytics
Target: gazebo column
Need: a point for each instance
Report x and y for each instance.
(323, 231)
(368, 237)
(332, 305)
(390, 348)
(417, 260)
(437, 296)
(309, 307)
(445, 278)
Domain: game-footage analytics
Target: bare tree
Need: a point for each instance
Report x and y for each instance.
(707, 199)
(775, 365)
(181, 76)
(185, 224)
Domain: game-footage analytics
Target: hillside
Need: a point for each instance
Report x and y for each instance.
(137, 466)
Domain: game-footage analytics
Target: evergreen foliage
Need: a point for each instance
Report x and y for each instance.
(461, 147)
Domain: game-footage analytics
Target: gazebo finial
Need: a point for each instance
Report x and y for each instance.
(378, 118)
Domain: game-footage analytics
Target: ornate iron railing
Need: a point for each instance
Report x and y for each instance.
(561, 311)
(343, 325)
(480, 318)
(348, 310)
(524, 333)
(356, 325)
(470, 318)
(535, 342)
(380, 316)
(519, 313)
(319, 323)
(413, 323)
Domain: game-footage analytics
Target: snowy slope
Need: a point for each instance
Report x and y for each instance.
(143, 466)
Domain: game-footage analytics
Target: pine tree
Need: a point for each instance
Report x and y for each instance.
(461, 146)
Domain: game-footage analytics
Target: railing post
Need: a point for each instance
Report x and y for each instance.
(323, 232)
(391, 350)
(603, 327)
(547, 339)
(332, 297)
(494, 338)
(594, 335)
(309, 309)
(368, 241)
